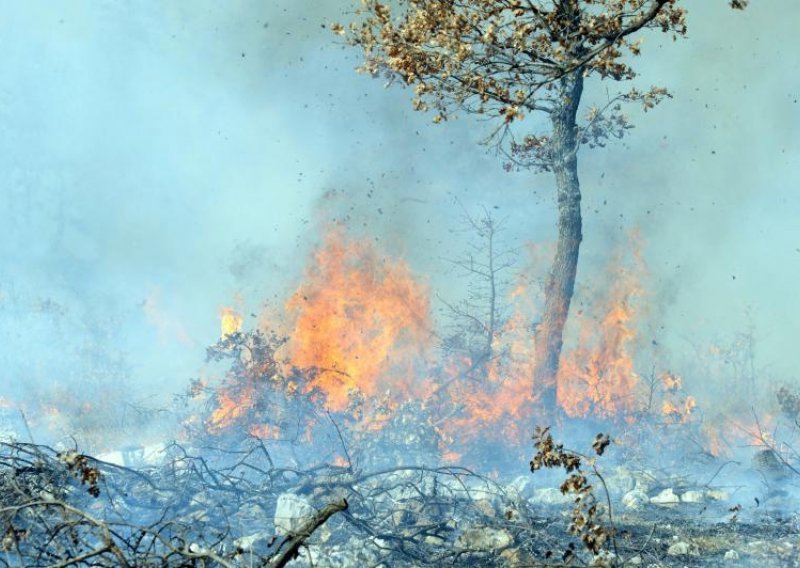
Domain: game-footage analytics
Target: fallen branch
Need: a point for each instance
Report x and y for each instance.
(296, 539)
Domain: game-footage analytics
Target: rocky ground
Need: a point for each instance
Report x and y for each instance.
(240, 508)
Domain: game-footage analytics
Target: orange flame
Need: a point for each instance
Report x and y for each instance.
(498, 407)
(724, 437)
(230, 407)
(359, 332)
(598, 376)
(265, 431)
(360, 320)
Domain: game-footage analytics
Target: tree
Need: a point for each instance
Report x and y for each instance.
(508, 60)
(478, 320)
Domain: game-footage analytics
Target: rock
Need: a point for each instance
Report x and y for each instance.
(731, 555)
(604, 559)
(516, 558)
(523, 486)
(635, 499)
(472, 488)
(717, 495)
(485, 507)
(482, 489)
(665, 498)
(198, 516)
(552, 496)
(290, 512)
(249, 542)
(635, 560)
(692, 497)
(483, 539)
(251, 512)
(195, 548)
(683, 548)
(406, 485)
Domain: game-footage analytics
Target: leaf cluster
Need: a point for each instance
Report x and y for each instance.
(505, 59)
(586, 516)
(79, 467)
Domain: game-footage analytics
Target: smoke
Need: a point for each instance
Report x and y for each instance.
(709, 178)
(158, 161)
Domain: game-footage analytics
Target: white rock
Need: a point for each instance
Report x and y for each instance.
(114, 457)
(692, 497)
(485, 507)
(471, 488)
(523, 485)
(681, 548)
(666, 497)
(290, 512)
(482, 489)
(731, 555)
(604, 559)
(635, 499)
(717, 495)
(195, 548)
(247, 543)
(552, 496)
(635, 560)
(484, 539)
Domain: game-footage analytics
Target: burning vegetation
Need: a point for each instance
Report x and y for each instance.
(349, 426)
(349, 429)
(357, 345)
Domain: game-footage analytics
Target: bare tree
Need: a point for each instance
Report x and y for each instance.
(478, 319)
(505, 59)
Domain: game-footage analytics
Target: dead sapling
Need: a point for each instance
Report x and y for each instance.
(477, 321)
(590, 520)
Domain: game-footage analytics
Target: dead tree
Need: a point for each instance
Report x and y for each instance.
(505, 59)
(478, 320)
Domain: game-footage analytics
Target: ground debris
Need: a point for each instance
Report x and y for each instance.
(226, 508)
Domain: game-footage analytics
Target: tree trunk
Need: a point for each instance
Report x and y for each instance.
(561, 280)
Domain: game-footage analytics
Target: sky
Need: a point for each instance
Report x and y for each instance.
(161, 160)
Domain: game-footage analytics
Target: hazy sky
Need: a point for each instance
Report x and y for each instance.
(157, 159)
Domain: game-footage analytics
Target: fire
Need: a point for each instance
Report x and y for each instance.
(230, 407)
(497, 408)
(357, 335)
(678, 412)
(730, 433)
(340, 461)
(230, 322)
(598, 377)
(265, 431)
(360, 320)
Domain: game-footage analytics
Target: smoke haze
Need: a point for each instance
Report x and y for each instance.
(159, 161)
